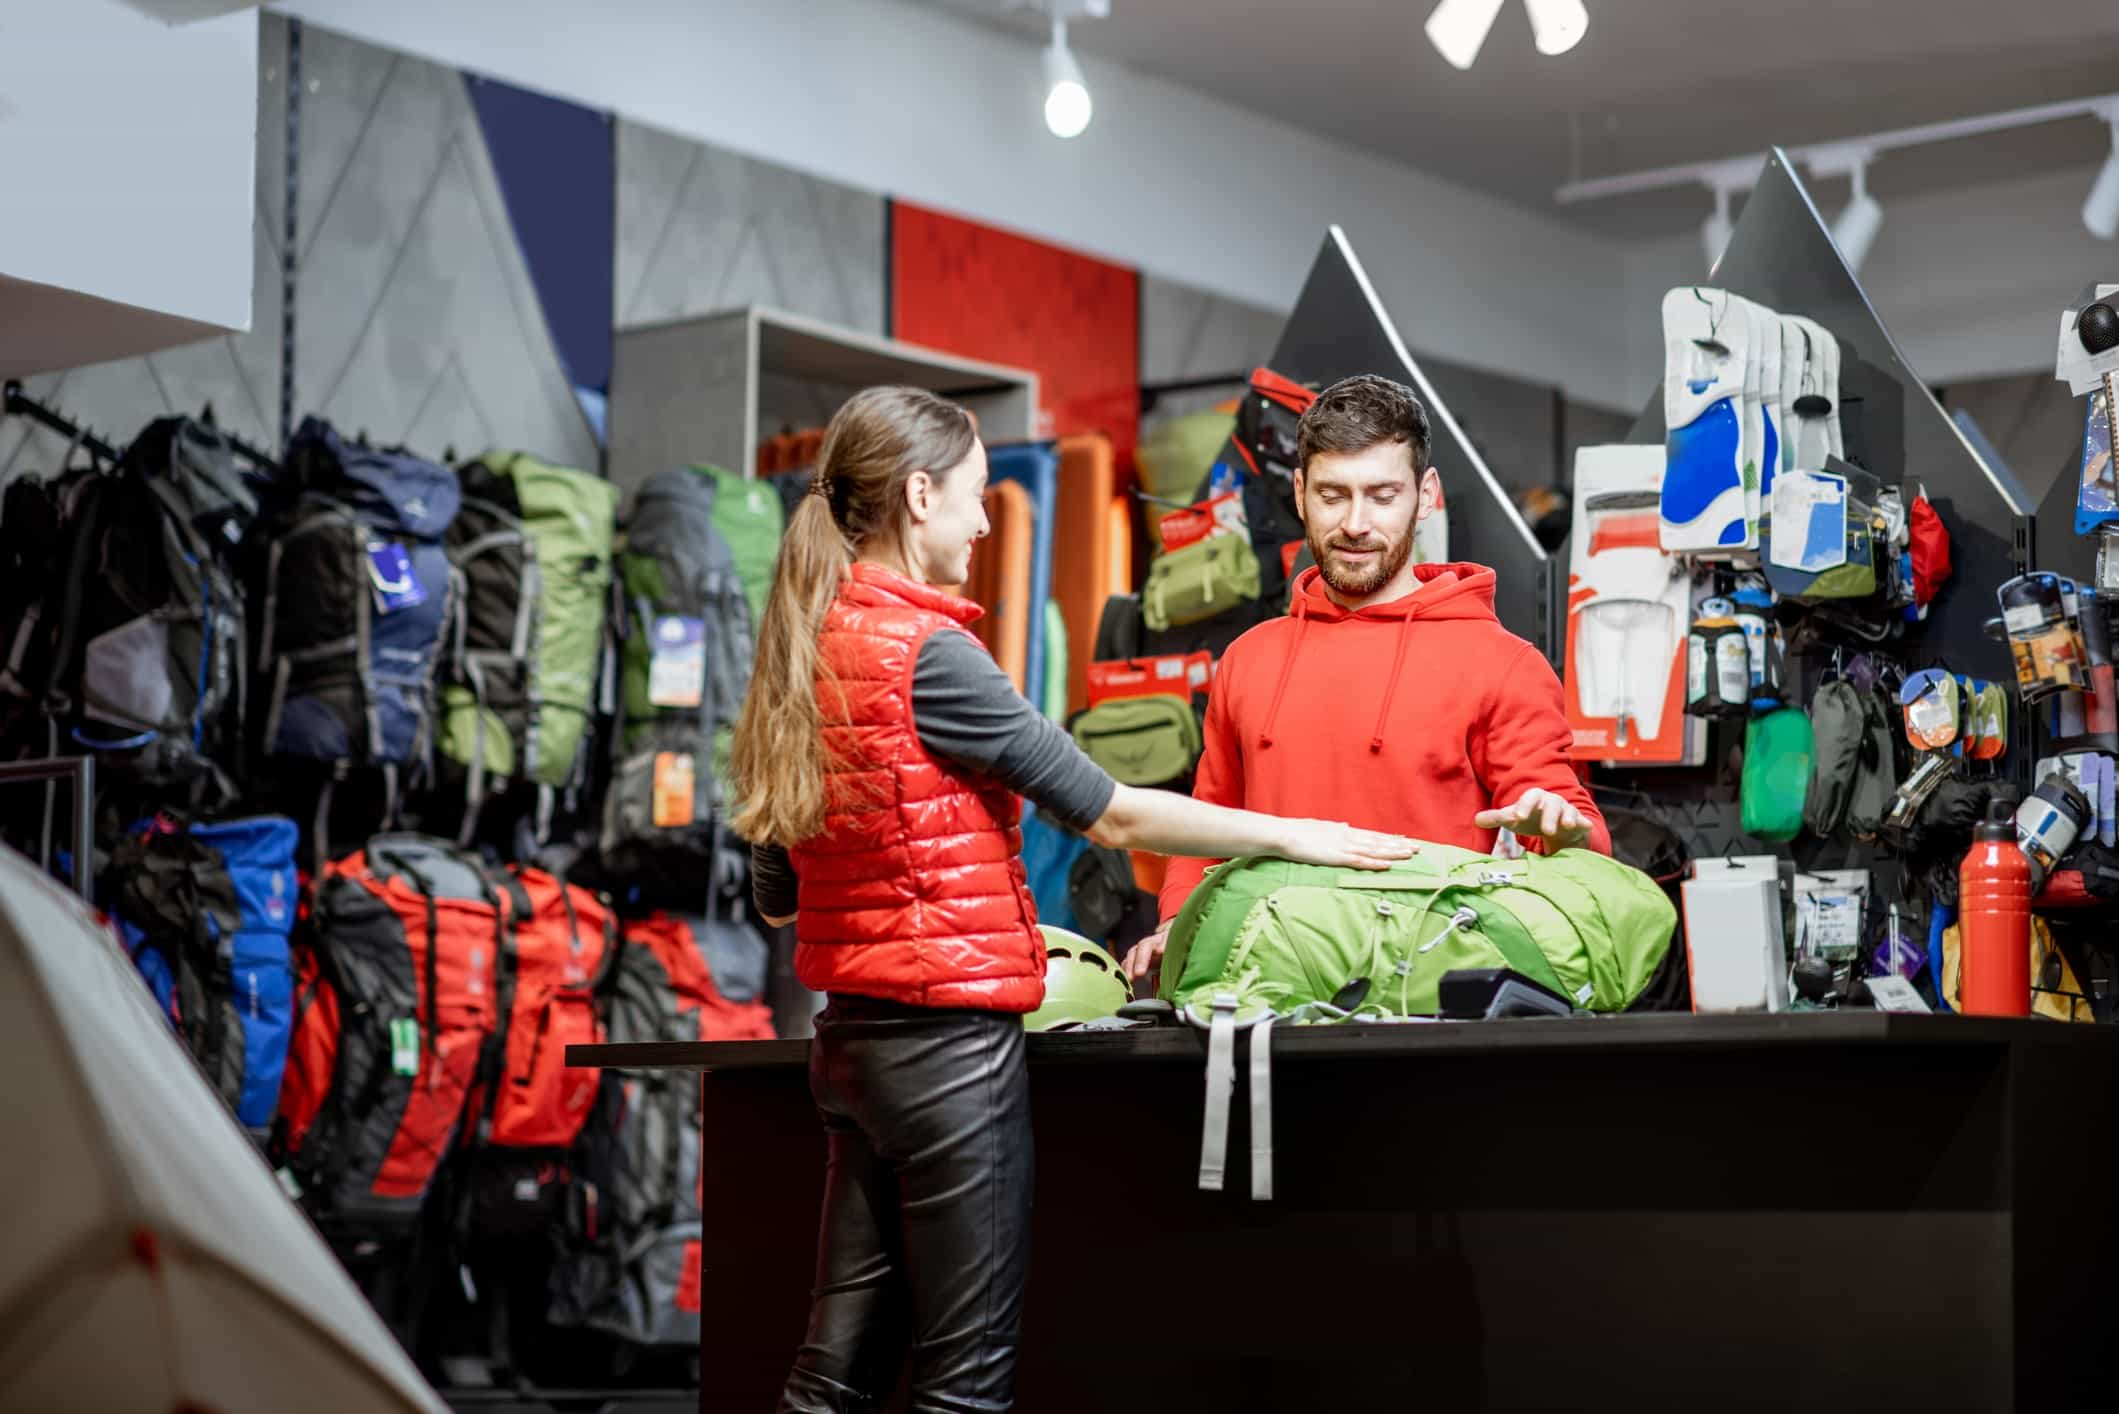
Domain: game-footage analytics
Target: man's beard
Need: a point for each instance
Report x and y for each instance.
(1368, 576)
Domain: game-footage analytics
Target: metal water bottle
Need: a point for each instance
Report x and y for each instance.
(1994, 921)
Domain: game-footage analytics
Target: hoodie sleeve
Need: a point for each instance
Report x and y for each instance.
(1218, 781)
(1525, 740)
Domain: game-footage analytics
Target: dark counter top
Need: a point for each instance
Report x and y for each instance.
(1671, 1031)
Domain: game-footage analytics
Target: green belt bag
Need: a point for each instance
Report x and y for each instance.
(1140, 741)
(1205, 578)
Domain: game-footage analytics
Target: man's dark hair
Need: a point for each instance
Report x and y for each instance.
(1361, 412)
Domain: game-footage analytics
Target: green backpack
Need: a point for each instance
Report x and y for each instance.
(1280, 938)
(1141, 741)
(1779, 757)
(1206, 578)
(684, 668)
(751, 519)
(569, 517)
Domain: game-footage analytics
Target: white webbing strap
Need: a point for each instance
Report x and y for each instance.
(1262, 1111)
(1221, 1084)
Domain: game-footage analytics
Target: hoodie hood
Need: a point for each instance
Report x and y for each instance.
(1447, 591)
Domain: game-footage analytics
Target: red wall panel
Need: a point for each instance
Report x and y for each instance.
(973, 290)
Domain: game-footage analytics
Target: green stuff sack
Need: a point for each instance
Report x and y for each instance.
(1141, 741)
(568, 517)
(1205, 578)
(1779, 757)
(1282, 938)
(1058, 672)
(1176, 455)
(749, 516)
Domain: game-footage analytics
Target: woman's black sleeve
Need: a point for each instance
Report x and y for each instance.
(772, 881)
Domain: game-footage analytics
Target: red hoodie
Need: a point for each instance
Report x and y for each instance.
(1305, 721)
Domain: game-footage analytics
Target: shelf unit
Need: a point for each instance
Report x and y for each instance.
(708, 388)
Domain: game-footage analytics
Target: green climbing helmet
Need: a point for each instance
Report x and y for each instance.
(1082, 982)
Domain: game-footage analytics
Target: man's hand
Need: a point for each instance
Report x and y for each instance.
(1145, 958)
(1539, 815)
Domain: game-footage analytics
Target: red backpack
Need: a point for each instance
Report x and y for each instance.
(557, 944)
(394, 1007)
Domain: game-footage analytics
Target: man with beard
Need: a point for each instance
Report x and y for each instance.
(1390, 696)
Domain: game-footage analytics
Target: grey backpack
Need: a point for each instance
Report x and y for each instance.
(1854, 776)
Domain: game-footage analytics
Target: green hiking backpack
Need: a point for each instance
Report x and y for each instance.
(1779, 755)
(1141, 741)
(684, 669)
(1276, 938)
(1204, 579)
(750, 517)
(567, 517)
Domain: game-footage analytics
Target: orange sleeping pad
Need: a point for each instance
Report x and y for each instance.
(1000, 579)
(1092, 549)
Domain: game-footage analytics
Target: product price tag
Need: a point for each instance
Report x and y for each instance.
(676, 674)
(396, 583)
(1896, 994)
(404, 1045)
(676, 779)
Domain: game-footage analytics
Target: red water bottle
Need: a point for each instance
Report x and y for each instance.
(1994, 921)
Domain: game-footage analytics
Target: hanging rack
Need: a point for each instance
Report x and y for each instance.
(258, 458)
(17, 403)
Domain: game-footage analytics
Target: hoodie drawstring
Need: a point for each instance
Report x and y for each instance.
(1390, 684)
(1287, 671)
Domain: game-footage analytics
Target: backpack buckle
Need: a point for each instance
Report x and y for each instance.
(1497, 876)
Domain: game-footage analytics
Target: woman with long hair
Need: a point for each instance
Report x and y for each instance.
(877, 764)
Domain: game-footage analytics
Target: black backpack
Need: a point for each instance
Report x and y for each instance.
(357, 602)
(148, 662)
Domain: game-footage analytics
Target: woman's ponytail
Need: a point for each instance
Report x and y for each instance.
(777, 763)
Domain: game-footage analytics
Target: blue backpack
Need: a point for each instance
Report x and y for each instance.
(358, 601)
(205, 911)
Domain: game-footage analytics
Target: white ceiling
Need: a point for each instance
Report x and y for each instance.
(179, 12)
(1654, 82)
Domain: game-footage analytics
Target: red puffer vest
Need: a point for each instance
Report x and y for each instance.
(915, 891)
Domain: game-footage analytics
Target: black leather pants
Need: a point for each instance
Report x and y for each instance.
(926, 1229)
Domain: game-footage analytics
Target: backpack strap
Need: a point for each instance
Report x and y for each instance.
(1221, 1083)
(1262, 1111)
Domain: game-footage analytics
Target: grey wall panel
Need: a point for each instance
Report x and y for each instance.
(1189, 333)
(417, 321)
(1584, 426)
(239, 374)
(702, 230)
(1514, 425)
(2032, 419)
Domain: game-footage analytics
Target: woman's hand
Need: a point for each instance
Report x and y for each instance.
(1331, 842)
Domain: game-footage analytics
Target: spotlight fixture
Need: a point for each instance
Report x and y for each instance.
(1458, 28)
(1067, 105)
(2101, 212)
(1855, 230)
(1557, 25)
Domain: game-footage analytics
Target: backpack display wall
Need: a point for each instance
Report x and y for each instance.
(1280, 936)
